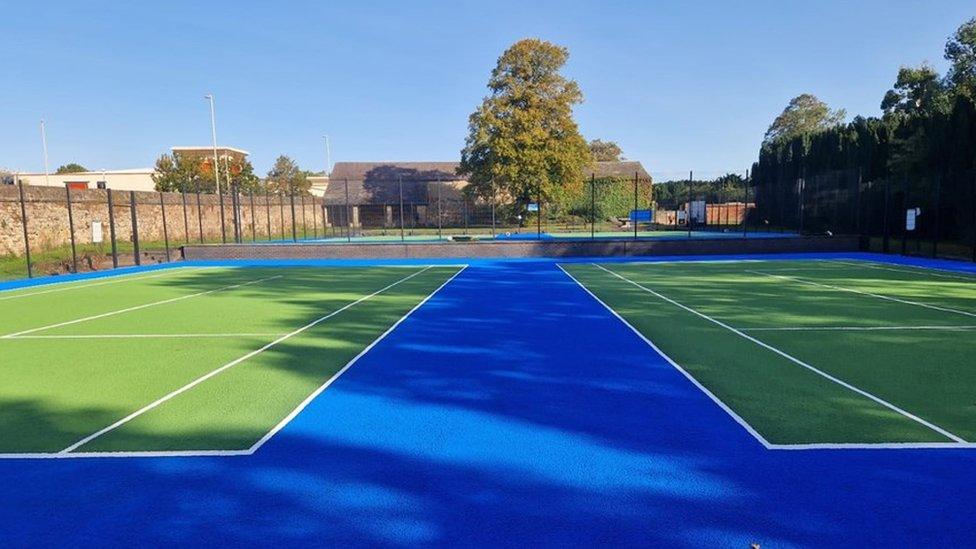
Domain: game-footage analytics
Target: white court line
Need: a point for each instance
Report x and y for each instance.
(912, 270)
(869, 294)
(230, 364)
(348, 365)
(147, 336)
(794, 360)
(137, 307)
(853, 328)
(736, 417)
(113, 279)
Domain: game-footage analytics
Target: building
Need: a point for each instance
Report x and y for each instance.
(429, 191)
(138, 179)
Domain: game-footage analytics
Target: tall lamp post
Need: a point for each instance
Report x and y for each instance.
(47, 171)
(328, 155)
(216, 164)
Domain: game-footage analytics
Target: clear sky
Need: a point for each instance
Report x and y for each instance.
(679, 85)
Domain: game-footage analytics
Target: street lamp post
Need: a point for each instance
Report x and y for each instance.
(47, 171)
(216, 165)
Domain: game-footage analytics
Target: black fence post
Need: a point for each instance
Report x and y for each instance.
(254, 232)
(294, 226)
(348, 215)
(199, 216)
(592, 206)
(538, 213)
(23, 222)
(111, 229)
(186, 218)
(162, 207)
(745, 207)
(494, 198)
(904, 231)
(635, 206)
(135, 228)
(304, 219)
(400, 190)
(464, 213)
(223, 224)
(938, 215)
(281, 214)
(691, 196)
(439, 218)
(267, 210)
(71, 228)
(885, 229)
(236, 204)
(315, 220)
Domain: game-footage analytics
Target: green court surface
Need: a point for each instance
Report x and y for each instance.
(811, 353)
(187, 359)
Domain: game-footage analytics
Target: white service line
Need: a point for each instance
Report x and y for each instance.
(869, 294)
(137, 307)
(113, 279)
(794, 360)
(854, 328)
(308, 400)
(230, 364)
(911, 270)
(736, 417)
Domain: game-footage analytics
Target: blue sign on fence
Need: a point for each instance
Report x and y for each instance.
(533, 207)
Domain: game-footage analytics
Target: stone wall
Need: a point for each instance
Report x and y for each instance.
(189, 218)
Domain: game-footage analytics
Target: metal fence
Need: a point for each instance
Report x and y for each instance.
(931, 214)
(49, 230)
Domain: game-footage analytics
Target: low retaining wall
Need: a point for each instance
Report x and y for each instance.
(503, 249)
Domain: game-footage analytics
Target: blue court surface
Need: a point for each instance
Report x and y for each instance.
(510, 409)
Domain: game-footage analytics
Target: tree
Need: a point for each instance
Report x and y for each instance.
(804, 115)
(917, 90)
(960, 51)
(522, 140)
(286, 177)
(71, 168)
(191, 173)
(605, 151)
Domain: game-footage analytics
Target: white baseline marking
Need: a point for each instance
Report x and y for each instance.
(738, 419)
(113, 279)
(230, 364)
(308, 400)
(794, 360)
(137, 307)
(853, 328)
(911, 270)
(147, 336)
(869, 294)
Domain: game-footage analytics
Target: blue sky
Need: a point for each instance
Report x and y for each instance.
(680, 85)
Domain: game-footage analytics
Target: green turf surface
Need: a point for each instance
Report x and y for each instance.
(815, 312)
(90, 353)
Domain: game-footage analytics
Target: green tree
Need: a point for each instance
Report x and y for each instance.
(960, 51)
(605, 151)
(522, 140)
(71, 168)
(804, 115)
(917, 91)
(286, 177)
(178, 172)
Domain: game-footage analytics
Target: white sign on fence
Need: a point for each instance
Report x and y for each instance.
(911, 214)
(96, 231)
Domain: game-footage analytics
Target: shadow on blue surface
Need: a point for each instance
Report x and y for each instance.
(510, 410)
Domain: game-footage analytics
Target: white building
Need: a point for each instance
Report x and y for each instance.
(138, 179)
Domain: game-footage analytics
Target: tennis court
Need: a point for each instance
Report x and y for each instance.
(190, 360)
(811, 353)
(809, 399)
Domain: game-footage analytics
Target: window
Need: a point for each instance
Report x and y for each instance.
(100, 184)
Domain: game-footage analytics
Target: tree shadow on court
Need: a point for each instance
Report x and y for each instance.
(509, 410)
